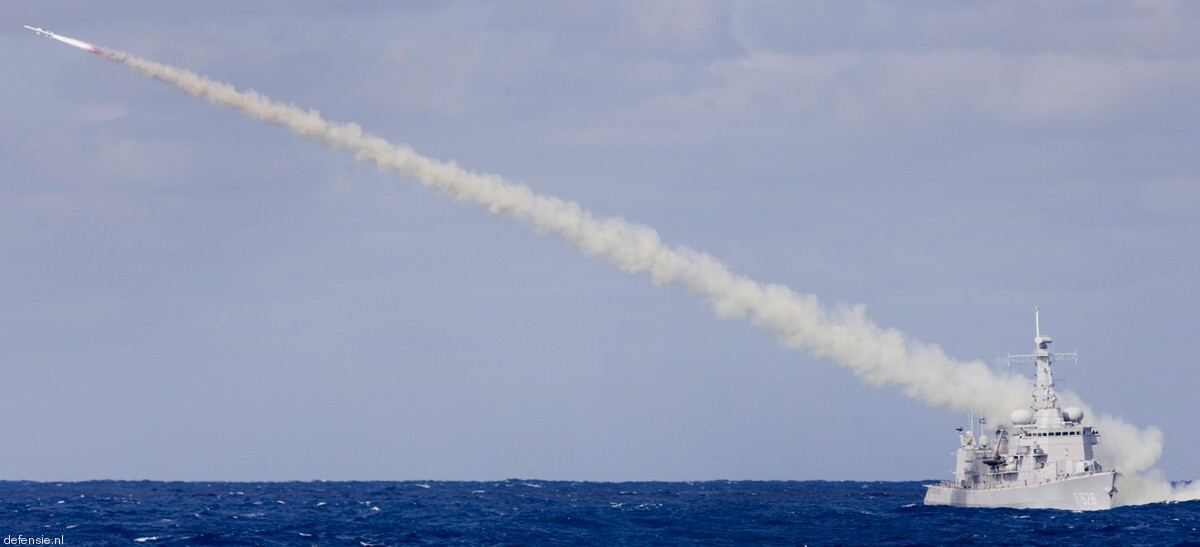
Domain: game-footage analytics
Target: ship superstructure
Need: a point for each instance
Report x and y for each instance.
(1043, 460)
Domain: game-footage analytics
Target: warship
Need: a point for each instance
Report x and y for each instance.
(1043, 460)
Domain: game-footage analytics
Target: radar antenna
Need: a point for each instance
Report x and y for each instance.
(1037, 322)
(1038, 338)
(1043, 392)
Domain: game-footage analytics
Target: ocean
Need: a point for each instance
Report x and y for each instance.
(531, 512)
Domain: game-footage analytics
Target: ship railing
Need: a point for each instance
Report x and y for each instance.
(988, 481)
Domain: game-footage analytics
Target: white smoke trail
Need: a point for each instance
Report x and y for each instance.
(844, 334)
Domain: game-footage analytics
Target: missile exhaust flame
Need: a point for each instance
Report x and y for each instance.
(844, 334)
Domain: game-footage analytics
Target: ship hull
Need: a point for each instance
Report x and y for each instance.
(1086, 493)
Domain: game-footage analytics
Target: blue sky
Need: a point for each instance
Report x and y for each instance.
(193, 295)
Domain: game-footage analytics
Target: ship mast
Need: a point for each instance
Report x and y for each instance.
(1044, 398)
(1043, 390)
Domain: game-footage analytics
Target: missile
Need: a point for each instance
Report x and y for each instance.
(77, 43)
(40, 32)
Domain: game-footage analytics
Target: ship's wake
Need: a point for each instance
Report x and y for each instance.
(842, 334)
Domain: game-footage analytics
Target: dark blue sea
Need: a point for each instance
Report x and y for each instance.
(527, 512)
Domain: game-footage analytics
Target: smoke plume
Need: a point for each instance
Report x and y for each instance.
(842, 334)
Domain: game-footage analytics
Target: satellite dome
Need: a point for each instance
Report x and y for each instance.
(1021, 416)
(1073, 414)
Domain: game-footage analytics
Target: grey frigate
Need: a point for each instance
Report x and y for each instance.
(1043, 460)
